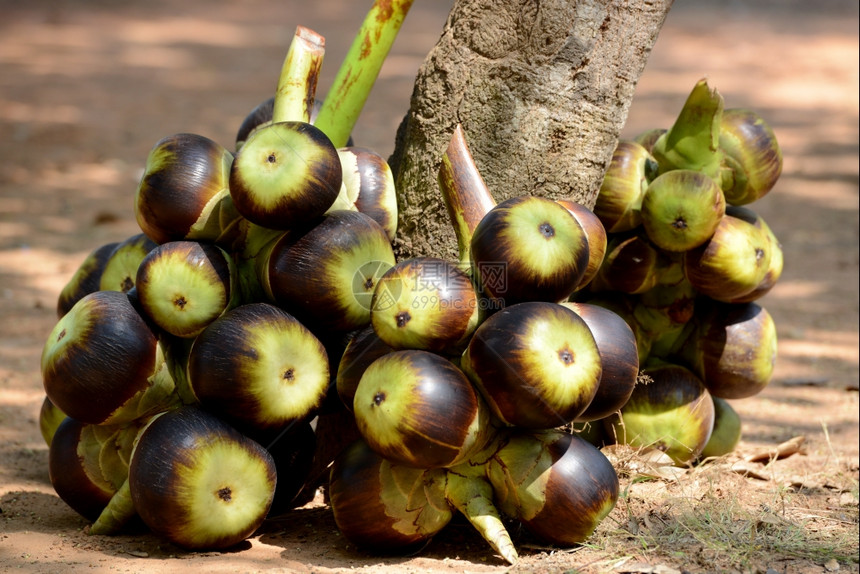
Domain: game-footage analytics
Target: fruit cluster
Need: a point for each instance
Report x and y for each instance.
(468, 370)
(191, 362)
(686, 261)
(183, 351)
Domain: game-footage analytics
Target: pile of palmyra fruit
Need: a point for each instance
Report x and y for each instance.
(190, 362)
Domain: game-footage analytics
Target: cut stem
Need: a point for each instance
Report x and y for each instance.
(360, 68)
(297, 83)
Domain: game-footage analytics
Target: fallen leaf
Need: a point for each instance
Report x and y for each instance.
(790, 447)
(847, 499)
(644, 463)
(744, 468)
(645, 568)
(769, 518)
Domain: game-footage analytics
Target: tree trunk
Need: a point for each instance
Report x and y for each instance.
(542, 90)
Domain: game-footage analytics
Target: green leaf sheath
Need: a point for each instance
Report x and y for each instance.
(473, 497)
(360, 68)
(116, 514)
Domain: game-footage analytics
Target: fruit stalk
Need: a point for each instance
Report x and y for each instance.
(358, 72)
(693, 140)
(297, 83)
(120, 509)
(293, 101)
(472, 495)
(116, 514)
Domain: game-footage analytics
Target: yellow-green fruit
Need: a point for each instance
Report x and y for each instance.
(368, 186)
(363, 347)
(732, 263)
(120, 270)
(185, 285)
(185, 177)
(537, 364)
(86, 279)
(734, 349)
(619, 359)
(528, 248)
(631, 265)
(198, 482)
(597, 238)
(681, 209)
(382, 506)
(727, 430)
(752, 158)
(326, 275)
(619, 200)
(285, 174)
(417, 408)
(50, 418)
(558, 485)
(425, 303)
(672, 412)
(259, 368)
(100, 359)
(74, 471)
(777, 259)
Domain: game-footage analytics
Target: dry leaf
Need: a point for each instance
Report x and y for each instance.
(769, 518)
(646, 463)
(633, 526)
(786, 449)
(744, 468)
(645, 568)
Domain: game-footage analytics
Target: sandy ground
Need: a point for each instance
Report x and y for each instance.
(86, 88)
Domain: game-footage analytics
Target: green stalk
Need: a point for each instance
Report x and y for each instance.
(119, 510)
(360, 68)
(693, 141)
(297, 83)
(472, 495)
(294, 101)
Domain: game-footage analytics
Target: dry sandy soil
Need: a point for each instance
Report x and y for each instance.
(87, 87)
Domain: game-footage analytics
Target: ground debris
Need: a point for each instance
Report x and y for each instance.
(137, 553)
(645, 568)
(745, 468)
(642, 463)
(788, 448)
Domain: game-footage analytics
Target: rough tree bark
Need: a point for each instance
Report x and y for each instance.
(542, 89)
